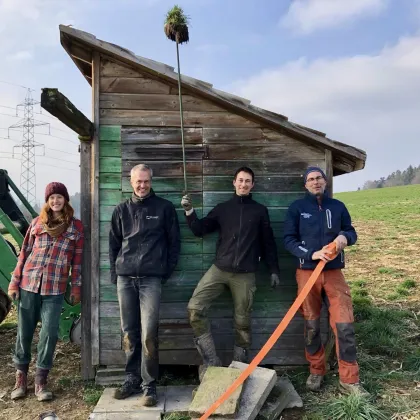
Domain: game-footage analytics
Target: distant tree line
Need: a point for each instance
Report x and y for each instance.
(410, 176)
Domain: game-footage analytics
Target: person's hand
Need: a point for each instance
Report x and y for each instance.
(340, 242)
(275, 281)
(186, 202)
(323, 254)
(75, 296)
(13, 292)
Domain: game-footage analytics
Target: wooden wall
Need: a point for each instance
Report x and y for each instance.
(139, 123)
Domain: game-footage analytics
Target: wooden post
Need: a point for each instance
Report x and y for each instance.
(96, 62)
(329, 171)
(88, 371)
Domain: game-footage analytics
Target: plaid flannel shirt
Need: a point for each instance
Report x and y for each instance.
(46, 261)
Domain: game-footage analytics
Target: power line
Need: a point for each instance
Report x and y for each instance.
(45, 164)
(15, 84)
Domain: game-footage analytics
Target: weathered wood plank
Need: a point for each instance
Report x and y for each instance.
(132, 85)
(273, 183)
(231, 151)
(155, 102)
(271, 199)
(277, 214)
(165, 168)
(177, 310)
(110, 341)
(110, 133)
(230, 135)
(329, 171)
(166, 184)
(110, 197)
(171, 118)
(167, 152)
(112, 69)
(96, 62)
(110, 182)
(174, 198)
(110, 164)
(157, 135)
(191, 357)
(295, 166)
(110, 149)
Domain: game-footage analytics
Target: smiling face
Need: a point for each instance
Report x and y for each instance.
(315, 183)
(56, 202)
(141, 181)
(243, 183)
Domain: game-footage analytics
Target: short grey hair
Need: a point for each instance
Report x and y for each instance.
(141, 167)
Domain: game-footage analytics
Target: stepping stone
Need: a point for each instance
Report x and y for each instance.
(277, 401)
(178, 398)
(256, 390)
(107, 404)
(215, 382)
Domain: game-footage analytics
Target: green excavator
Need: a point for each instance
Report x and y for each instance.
(13, 227)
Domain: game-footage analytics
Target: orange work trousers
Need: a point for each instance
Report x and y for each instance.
(341, 321)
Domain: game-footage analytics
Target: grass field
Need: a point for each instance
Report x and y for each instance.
(383, 271)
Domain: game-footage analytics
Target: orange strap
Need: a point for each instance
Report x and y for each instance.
(275, 336)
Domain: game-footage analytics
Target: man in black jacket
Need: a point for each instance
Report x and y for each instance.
(144, 245)
(245, 235)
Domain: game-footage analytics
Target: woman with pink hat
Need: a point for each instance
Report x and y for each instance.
(52, 248)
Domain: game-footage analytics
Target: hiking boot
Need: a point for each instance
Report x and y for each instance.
(207, 350)
(240, 354)
(129, 387)
(149, 397)
(356, 388)
(42, 393)
(21, 385)
(314, 381)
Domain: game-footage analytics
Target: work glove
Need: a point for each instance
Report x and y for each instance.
(186, 202)
(13, 291)
(75, 295)
(275, 281)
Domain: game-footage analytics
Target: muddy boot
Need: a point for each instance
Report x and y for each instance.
(21, 385)
(240, 354)
(314, 381)
(41, 391)
(149, 397)
(207, 350)
(356, 388)
(130, 386)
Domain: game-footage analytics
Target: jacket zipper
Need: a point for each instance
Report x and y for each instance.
(322, 227)
(239, 234)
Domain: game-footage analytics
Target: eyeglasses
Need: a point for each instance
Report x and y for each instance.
(318, 178)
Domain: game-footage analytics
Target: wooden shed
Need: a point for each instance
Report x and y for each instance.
(136, 120)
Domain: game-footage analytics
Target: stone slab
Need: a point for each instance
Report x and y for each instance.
(125, 416)
(256, 390)
(108, 404)
(295, 399)
(215, 382)
(178, 399)
(277, 401)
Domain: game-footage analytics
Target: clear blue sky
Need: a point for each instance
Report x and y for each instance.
(350, 69)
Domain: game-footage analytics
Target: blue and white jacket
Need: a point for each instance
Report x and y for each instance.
(310, 226)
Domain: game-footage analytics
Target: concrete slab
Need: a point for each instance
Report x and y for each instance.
(295, 399)
(215, 381)
(178, 398)
(256, 390)
(110, 376)
(108, 404)
(125, 416)
(277, 401)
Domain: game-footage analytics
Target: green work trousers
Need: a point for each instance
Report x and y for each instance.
(212, 284)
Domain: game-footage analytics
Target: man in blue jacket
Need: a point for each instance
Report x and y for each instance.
(312, 223)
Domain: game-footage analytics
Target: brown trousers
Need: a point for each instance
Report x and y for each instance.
(341, 321)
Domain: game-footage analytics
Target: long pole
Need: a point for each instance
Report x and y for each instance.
(182, 119)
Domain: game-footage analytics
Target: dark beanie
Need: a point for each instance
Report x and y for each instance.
(56, 188)
(314, 169)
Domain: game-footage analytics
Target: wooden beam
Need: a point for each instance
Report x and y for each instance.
(329, 171)
(95, 213)
(80, 53)
(60, 107)
(88, 371)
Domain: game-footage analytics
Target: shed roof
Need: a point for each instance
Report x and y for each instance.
(80, 45)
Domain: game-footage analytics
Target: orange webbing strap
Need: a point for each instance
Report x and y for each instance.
(274, 337)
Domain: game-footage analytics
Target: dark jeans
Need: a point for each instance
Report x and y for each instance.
(139, 300)
(33, 307)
